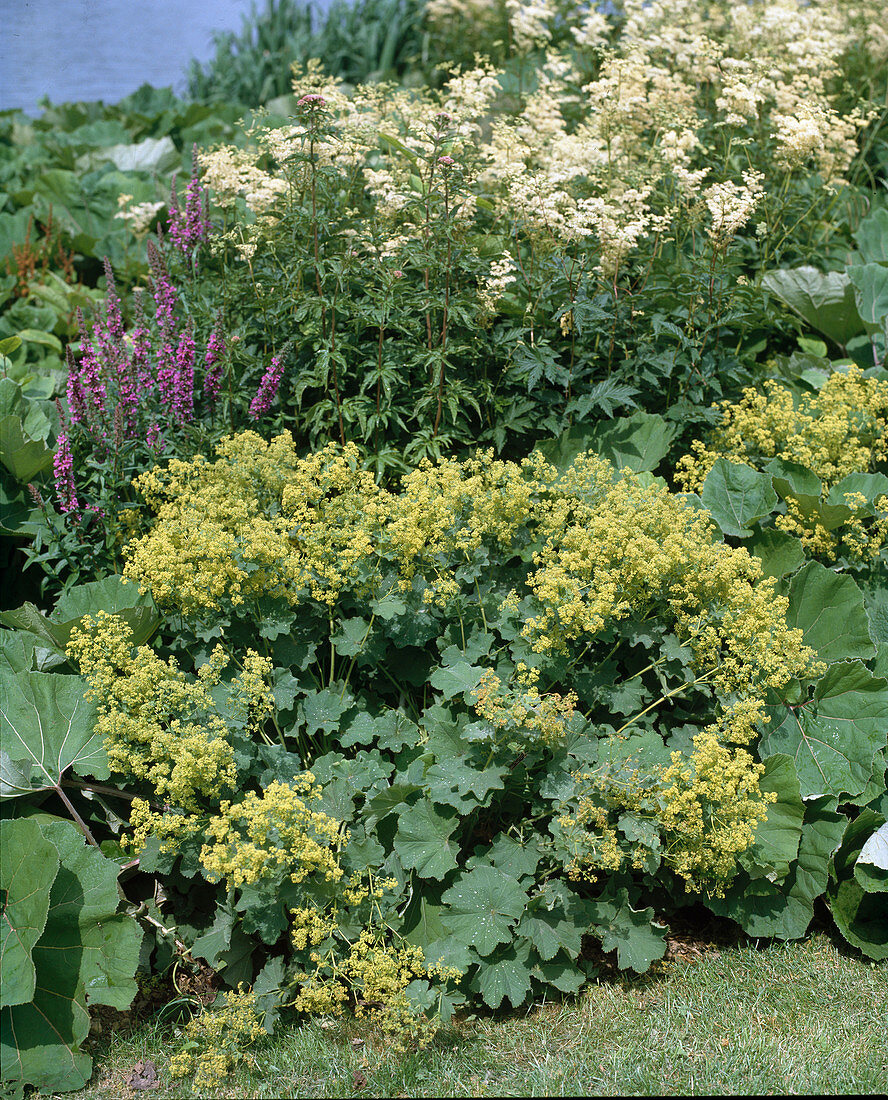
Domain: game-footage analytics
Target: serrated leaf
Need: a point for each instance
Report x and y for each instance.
(46, 727)
(423, 840)
(323, 710)
(457, 782)
(632, 933)
(109, 594)
(737, 496)
(508, 855)
(828, 608)
(482, 906)
(29, 864)
(269, 990)
(508, 978)
(561, 972)
(217, 939)
(834, 737)
(455, 679)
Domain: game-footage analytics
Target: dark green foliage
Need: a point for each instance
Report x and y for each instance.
(356, 41)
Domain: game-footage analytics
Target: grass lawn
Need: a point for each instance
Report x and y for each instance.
(799, 1018)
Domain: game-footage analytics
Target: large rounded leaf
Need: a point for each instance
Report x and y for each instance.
(829, 608)
(737, 496)
(785, 909)
(29, 864)
(46, 727)
(87, 954)
(824, 299)
(833, 738)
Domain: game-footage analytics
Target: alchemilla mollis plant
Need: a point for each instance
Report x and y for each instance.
(502, 681)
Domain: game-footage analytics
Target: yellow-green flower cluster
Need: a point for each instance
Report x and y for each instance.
(711, 804)
(251, 699)
(447, 510)
(215, 1042)
(616, 549)
(701, 813)
(839, 430)
(525, 714)
(273, 832)
(257, 521)
(374, 974)
(158, 725)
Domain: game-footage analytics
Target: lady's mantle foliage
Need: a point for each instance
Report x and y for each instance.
(523, 695)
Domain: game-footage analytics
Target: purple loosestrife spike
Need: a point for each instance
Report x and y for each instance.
(183, 391)
(189, 227)
(213, 370)
(113, 318)
(167, 370)
(76, 396)
(165, 297)
(268, 388)
(63, 468)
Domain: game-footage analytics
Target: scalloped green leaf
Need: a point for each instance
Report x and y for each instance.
(632, 933)
(507, 978)
(46, 727)
(458, 678)
(829, 608)
(833, 738)
(737, 496)
(423, 840)
(482, 906)
(29, 864)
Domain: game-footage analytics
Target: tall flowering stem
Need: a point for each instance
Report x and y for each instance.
(189, 227)
(213, 362)
(63, 469)
(268, 388)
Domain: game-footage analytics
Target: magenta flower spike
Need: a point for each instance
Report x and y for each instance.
(268, 388)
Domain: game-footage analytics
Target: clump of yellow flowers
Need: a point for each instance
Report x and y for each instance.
(840, 429)
(215, 1042)
(159, 725)
(608, 548)
(373, 973)
(274, 831)
(524, 715)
